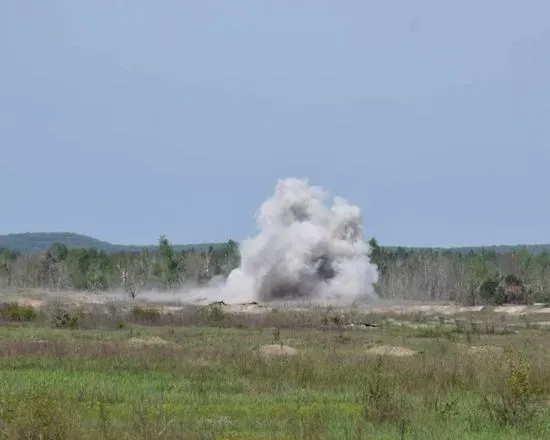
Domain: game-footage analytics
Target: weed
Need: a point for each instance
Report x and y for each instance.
(433, 331)
(342, 338)
(445, 408)
(146, 315)
(17, 312)
(216, 313)
(515, 402)
(212, 381)
(277, 335)
(382, 401)
(67, 320)
(36, 415)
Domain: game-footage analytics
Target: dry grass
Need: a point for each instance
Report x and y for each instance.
(112, 371)
(155, 341)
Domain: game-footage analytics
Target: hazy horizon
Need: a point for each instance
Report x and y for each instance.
(154, 242)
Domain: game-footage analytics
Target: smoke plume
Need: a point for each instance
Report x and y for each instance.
(304, 250)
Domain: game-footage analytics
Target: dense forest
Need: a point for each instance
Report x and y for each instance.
(519, 275)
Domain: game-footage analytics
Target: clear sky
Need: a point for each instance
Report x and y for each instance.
(127, 119)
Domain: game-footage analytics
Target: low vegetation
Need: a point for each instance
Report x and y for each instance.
(116, 372)
(133, 370)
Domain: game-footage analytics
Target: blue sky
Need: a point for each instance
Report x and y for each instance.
(127, 119)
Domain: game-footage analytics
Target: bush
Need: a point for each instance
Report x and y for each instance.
(215, 312)
(488, 289)
(513, 290)
(17, 312)
(36, 415)
(514, 400)
(148, 315)
(500, 290)
(383, 403)
(67, 320)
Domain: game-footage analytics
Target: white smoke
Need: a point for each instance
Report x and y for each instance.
(304, 250)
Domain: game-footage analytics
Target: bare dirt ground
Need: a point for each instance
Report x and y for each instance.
(167, 303)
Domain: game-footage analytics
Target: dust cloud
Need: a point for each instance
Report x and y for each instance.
(305, 253)
(303, 250)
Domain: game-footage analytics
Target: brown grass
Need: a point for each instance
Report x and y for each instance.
(207, 373)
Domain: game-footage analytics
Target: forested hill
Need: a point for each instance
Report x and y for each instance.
(37, 242)
(499, 249)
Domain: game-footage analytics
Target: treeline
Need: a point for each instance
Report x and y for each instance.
(474, 277)
(480, 276)
(94, 270)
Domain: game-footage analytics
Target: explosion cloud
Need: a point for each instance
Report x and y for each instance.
(304, 250)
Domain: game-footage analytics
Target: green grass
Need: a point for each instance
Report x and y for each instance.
(212, 383)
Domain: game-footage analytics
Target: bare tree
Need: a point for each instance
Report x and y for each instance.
(134, 275)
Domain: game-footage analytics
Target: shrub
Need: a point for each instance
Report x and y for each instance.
(17, 312)
(215, 312)
(500, 290)
(36, 415)
(382, 400)
(148, 315)
(488, 289)
(514, 400)
(68, 320)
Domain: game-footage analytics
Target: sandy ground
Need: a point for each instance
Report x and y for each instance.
(390, 350)
(170, 303)
(277, 350)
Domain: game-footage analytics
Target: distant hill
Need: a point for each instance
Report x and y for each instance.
(499, 249)
(36, 242)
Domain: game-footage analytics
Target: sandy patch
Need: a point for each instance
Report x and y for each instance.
(171, 309)
(155, 341)
(511, 310)
(432, 325)
(459, 309)
(427, 309)
(431, 309)
(391, 350)
(362, 326)
(35, 303)
(544, 310)
(248, 308)
(481, 349)
(277, 350)
(395, 323)
(83, 299)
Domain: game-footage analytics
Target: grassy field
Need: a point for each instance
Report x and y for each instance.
(138, 375)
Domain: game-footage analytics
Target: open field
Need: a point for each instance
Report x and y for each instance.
(73, 370)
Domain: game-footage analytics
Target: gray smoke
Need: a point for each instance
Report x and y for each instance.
(304, 250)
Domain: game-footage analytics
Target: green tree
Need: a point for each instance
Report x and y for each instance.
(54, 269)
(166, 264)
(479, 274)
(376, 254)
(7, 260)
